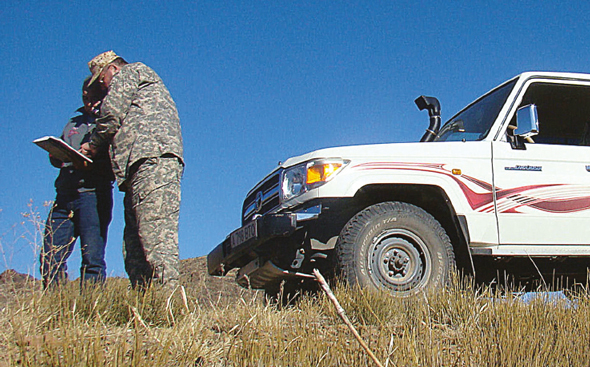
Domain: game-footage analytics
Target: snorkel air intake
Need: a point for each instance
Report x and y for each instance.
(433, 106)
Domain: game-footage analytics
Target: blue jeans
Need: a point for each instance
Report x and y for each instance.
(86, 215)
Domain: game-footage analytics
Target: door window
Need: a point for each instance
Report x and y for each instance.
(564, 113)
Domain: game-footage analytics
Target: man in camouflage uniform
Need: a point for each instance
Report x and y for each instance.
(140, 125)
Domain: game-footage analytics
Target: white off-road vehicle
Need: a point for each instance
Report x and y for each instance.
(502, 187)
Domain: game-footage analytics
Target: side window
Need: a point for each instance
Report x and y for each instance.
(564, 113)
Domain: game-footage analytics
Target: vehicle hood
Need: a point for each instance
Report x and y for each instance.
(416, 151)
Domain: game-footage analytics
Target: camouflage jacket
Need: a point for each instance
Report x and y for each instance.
(138, 118)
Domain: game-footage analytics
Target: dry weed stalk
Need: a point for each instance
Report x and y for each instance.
(342, 314)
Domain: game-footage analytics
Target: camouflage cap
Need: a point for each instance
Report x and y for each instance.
(98, 63)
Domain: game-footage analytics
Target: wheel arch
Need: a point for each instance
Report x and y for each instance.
(433, 200)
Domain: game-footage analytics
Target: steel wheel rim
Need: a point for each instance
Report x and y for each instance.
(399, 260)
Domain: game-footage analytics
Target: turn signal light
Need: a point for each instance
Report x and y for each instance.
(321, 172)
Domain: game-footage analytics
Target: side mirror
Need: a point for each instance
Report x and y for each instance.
(527, 122)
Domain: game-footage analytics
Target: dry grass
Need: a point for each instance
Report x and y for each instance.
(213, 323)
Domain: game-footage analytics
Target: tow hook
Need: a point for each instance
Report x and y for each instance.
(298, 261)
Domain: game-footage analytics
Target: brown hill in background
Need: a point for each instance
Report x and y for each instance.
(13, 276)
(193, 275)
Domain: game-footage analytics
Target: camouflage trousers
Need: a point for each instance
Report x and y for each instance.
(152, 204)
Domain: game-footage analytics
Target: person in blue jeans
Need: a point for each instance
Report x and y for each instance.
(83, 205)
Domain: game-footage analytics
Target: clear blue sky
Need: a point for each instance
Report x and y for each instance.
(256, 82)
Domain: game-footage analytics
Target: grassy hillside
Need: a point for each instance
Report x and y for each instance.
(215, 323)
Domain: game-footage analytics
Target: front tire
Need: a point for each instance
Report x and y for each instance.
(395, 246)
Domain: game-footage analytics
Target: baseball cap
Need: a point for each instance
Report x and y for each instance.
(99, 62)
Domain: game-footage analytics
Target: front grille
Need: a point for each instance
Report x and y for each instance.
(263, 198)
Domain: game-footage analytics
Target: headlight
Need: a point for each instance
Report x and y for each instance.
(299, 179)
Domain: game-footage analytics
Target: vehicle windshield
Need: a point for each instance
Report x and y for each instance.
(474, 122)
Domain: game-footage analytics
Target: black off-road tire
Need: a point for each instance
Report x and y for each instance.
(394, 246)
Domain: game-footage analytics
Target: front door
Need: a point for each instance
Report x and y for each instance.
(542, 192)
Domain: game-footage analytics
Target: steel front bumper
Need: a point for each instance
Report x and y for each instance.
(238, 249)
